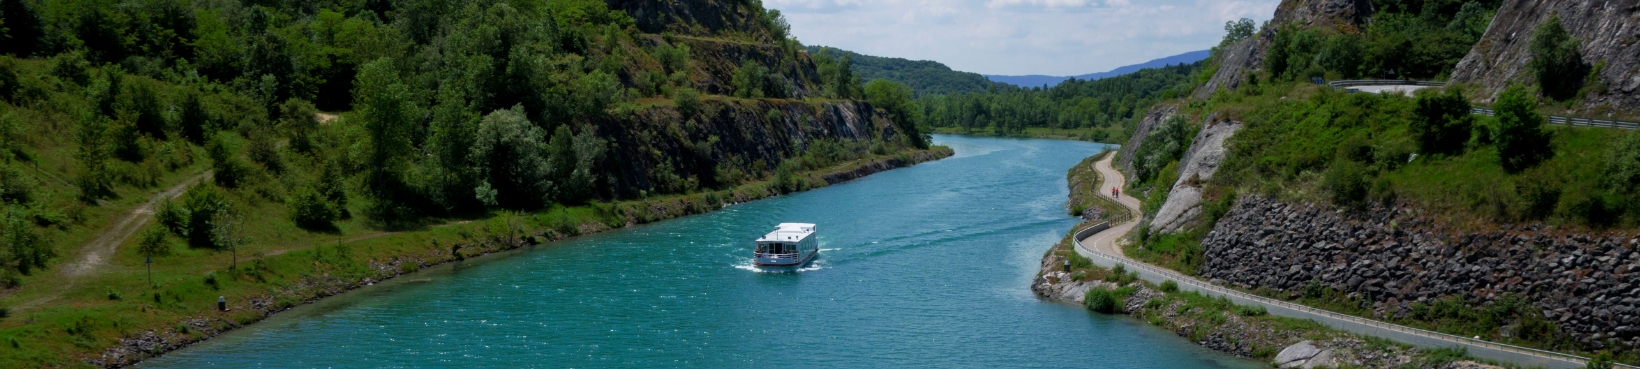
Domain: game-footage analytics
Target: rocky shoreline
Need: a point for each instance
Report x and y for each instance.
(151, 343)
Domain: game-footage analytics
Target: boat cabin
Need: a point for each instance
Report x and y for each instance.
(788, 244)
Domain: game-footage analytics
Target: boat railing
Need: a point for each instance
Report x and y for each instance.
(777, 256)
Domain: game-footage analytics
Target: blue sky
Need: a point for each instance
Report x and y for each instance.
(1017, 37)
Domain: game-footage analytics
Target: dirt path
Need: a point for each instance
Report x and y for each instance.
(94, 254)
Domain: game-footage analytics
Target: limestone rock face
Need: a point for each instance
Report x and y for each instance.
(1201, 161)
(1155, 117)
(1248, 55)
(1608, 30)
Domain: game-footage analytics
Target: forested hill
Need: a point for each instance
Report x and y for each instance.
(1050, 81)
(925, 77)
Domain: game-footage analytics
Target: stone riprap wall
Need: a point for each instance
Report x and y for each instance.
(1587, 285)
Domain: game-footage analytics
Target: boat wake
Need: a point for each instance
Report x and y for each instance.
(812, 266)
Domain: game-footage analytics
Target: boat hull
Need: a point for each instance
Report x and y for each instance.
(785, 262)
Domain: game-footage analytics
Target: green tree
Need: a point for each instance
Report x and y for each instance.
(1237, 30)
(749, 79)
(95, 149)
(310, 210)
(205, 207)
(1522, 142)
(1557, 59)
(453, 129)
(895, 99)
(192, 118)
(299, 120)
(386, 109)
(573, 159)
(687, 101)
(1441, 122)
(228, 169)
(153, 243)
(511, 160)
(24, 248)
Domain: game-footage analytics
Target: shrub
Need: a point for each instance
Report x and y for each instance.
(749, 79)
(153, 243)
(210, 280)
(205, 207)
(1251, 311)
(230, 171)
(1521, 141)
(1441, 122)
(1347, 182)
(687, 101)
(1101, 299)
(113, 296)
(1623, 164)
(310, 210)
(1557, 61)
(1170, 286)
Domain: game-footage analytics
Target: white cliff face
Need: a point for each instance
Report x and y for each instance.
(1201, 161)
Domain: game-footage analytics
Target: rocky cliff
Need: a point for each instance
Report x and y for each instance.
(1183, 207)
(660, 147)
(1392, 259)
(1156, 116)
(694, 17)
(1237, 59)
(1608, 30)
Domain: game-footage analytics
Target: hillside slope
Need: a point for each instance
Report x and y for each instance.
(925, 77)
(1607, 31)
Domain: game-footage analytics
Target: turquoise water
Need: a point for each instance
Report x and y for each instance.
(927, 266)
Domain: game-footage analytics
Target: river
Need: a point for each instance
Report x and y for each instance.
(927, 266)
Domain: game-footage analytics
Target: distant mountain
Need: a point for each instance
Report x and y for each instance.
(924, 77)
(1050, 81)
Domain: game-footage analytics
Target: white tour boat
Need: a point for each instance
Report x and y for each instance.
(791, 244)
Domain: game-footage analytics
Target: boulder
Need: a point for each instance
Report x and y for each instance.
(1296, 355)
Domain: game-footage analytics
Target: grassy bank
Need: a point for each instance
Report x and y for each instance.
(115, 316)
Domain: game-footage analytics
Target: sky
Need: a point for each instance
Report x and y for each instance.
(1019, 37)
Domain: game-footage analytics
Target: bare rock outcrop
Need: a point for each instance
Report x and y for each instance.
(1201, 161)
(1157, 115)
(1608, 30)
(1236, 60)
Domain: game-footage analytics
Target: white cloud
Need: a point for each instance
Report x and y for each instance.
(1054, 37)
